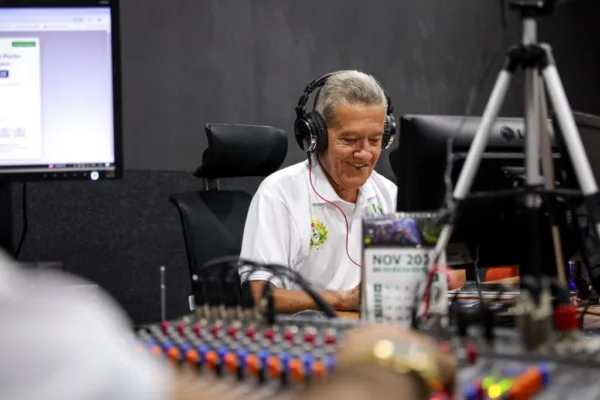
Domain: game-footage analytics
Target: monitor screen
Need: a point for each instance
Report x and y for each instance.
(493, 230)
(588, 126)
(59, 91)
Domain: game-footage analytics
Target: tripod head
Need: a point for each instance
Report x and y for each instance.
(532, 8)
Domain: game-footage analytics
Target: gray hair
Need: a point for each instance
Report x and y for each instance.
(347, 87)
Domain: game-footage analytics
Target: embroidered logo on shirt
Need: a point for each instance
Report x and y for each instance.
(319, 233)
(376, 208)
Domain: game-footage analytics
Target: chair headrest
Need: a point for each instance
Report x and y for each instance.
(242, 150)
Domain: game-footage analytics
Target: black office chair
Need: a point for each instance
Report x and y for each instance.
(212, 219)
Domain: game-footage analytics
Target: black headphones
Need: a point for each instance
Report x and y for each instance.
(310, 129)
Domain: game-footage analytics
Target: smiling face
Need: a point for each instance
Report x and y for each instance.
(353, 148)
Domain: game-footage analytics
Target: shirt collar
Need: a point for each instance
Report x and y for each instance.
(325, 190)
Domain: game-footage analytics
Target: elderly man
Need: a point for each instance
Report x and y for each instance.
(308, 216)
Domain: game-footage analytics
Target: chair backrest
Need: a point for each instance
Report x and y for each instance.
(213, 220)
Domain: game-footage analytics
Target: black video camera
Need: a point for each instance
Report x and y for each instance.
(533, 7)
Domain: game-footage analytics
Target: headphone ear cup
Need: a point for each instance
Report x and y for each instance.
(319, 128)
(389, 131)
(302, 132)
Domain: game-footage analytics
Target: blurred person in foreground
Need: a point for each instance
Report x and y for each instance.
(59, 344)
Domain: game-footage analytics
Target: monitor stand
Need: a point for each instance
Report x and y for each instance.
(6, 226)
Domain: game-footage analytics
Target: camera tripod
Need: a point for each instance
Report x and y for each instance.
(537, 62)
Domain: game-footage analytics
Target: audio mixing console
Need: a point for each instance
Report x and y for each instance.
(247, 348)
(269, 360)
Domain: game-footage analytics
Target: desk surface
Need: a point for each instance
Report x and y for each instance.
(589, 322)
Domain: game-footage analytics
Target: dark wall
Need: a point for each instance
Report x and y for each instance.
(189, 62)
(116, 234)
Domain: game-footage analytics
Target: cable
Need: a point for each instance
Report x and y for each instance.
(336, 206)
(477, 278)
(235, 263)
(25, 221)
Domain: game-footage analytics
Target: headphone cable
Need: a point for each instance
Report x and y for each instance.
(336, 206)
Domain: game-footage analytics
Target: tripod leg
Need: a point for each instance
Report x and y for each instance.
(531, 264)
(532, 134)
(577, 154)
(469, 170)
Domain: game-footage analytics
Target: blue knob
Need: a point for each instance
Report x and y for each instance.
(284, 357)
(546, 372)
(330, 363)
(471, 393)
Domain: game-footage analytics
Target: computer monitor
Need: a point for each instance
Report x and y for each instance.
(60, 95)
(491, 230)
(588, 126)
(60, 111)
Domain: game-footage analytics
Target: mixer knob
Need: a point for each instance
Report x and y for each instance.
(193, 357)
(269, 333)
(211, 359)
(250, 333)
(174, 354)
(165, 326)
(274, 367)
(545, 371)
(318, 369)
(309, 337)
(215, 330)
(231, 362)
(232, 330)
(241, 355)
(472, 353)
(252, 364)
(330, 338)
(197, 329)
(155, 330)
(166, 344)
(289, 335)
(297, 371)
(181, 327)
(307, 362)
(329, 364)
(471, 392)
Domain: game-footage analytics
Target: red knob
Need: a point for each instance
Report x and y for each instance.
(330, 339)
(269, 333)
(471, 353)
(250, 332)
(197, 329)
(288, 335)
(165, 326)
(309, 337)
(231, 331)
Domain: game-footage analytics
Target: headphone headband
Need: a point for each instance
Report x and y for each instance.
(311, 87)
(310, 129)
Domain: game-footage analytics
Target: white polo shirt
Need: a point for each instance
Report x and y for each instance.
(290, 225)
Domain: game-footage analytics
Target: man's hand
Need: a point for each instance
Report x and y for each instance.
(350, 299)
(361, 340)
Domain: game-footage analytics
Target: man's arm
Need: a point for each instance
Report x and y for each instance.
(291, 301)
(271, 235)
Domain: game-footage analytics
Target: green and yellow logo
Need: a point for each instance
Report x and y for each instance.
(319, 233)
(376, 209)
